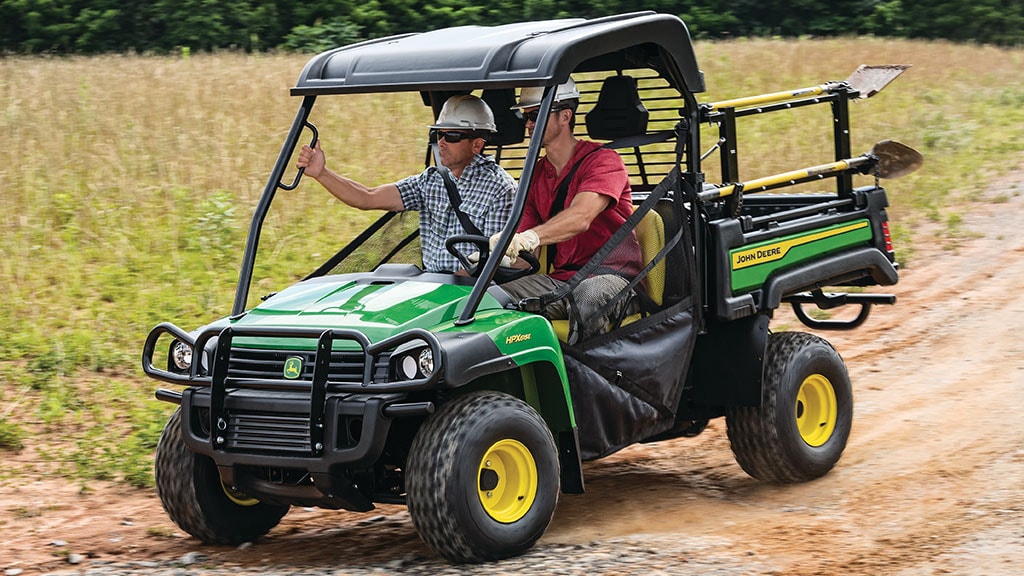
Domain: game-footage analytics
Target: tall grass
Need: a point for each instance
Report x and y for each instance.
(127, 184)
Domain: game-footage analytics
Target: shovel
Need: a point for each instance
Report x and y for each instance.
(866, 81)
(886, 159)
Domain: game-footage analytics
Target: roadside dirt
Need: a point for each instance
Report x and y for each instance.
(932, 480)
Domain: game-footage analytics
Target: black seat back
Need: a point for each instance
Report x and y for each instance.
(511, 127)
(618, 112)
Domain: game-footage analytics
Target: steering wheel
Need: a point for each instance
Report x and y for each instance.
(503, 273)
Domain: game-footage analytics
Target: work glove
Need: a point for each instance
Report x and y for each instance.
(528, 241)
(475, 257)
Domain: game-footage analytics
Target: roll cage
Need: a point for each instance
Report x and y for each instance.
(655, 51)
(496, 60)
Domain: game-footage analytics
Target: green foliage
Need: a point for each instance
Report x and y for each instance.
(710, 19)
(991, 21)
(131, 458)
(12, 435)
(214, 231)
(98, 29)
(114, 440)
(167, 26)
(886, 18)
(795, 17)
(322, 36)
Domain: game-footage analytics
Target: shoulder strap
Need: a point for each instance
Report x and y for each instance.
(453, 195)
(558, 204)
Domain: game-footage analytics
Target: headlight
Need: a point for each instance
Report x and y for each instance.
(408, 367)
(426, 362)
(181, 355)
(414, 364)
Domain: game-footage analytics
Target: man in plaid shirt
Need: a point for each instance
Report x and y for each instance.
(486, 189)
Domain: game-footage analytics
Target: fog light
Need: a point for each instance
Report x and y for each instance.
(409, 367)
(427, 362)
(181, 355)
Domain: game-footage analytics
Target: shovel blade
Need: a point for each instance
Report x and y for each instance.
(893, 159)
(869, 80)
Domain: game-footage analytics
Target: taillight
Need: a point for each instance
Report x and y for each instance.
(887, 236)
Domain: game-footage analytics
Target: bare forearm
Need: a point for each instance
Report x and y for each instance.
(384, 197)
(574, 220)
(563, 226)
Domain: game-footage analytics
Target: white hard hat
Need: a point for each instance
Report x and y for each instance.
(530, 97)
(465, 112)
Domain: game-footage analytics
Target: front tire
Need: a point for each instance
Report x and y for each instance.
(801, 427)
(193, 495)
(482, 478)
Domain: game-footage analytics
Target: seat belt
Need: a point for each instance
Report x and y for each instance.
(453, 194)
(558, 204)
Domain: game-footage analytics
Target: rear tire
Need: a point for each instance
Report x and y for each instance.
(482, 478)
(194, 497)
(801, 427)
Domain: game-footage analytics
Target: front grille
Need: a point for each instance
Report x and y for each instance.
(249, 424)
(260, 364)
(267, 432)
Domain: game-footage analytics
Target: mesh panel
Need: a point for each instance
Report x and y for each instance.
(597, 304)
(395, 241)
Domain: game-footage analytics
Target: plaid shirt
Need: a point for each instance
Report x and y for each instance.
(487, 192)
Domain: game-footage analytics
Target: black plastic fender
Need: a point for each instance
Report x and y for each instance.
(828, 271)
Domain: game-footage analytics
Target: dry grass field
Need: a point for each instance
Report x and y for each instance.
(127, 184)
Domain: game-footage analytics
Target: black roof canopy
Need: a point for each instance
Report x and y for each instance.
(524, 54)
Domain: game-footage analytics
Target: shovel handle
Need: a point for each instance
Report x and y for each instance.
(821, 170)
(774, 97)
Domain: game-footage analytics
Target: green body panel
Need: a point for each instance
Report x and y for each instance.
(751, 265)
(382, 310)
(377, 310)
(530, 341)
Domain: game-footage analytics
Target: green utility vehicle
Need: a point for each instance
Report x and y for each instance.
(372, 381)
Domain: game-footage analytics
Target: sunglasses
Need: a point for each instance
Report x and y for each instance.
(450, 136)
(532, 115)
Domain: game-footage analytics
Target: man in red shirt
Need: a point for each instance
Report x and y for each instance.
(597, 203)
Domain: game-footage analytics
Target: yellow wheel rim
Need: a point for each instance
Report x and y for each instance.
(816, 410)
(507, 480)
(238, 497)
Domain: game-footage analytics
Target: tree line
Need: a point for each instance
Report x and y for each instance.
(162, 26)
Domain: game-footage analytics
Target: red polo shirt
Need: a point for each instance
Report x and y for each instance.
(602, 172)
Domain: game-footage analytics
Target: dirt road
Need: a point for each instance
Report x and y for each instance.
(932, 480)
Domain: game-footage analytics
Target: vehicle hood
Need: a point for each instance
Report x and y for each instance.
(376, 308)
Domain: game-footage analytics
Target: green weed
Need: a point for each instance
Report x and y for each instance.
(159, 532)
(12, 435)
(23, 512)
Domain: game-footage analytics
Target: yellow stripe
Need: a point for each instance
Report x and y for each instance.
(778, 251)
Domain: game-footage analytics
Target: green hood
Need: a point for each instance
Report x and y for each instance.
(378, 309)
